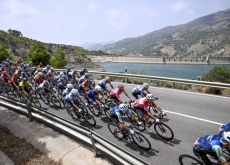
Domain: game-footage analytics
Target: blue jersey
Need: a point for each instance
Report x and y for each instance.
(207, 142)
(92, 94)
(102, 83)
(70, 98)
(66, 91)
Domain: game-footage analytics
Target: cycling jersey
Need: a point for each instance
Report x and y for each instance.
(38, 79)
(138, 90)
(102, 83)
(24, 84)
(116, 92)
(210, 143)
(14, 78)
(143, 103)
(117, 112)
(92, 95)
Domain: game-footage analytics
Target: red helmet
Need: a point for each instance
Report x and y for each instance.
(121, 87)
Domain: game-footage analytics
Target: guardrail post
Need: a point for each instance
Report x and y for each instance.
(29, 110)
(93, 143)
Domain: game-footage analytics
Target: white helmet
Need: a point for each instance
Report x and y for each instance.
(107, 78)
(69, 86)
(40, 74)
(146, 85)
(226, 136)
(74, 92)
(98, 88)
(150, 97)
(124, 107)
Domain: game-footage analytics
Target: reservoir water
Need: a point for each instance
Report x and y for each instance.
(184, 71)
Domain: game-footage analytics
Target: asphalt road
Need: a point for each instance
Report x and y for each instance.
(190, 115)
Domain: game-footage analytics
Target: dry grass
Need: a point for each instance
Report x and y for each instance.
(21, 152)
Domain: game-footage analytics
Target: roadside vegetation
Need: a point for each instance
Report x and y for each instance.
(13, 45)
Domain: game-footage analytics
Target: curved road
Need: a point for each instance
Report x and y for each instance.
(190, 115)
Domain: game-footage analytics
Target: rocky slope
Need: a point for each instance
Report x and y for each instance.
(202, 37)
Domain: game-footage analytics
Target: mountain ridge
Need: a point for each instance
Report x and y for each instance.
(204, 36)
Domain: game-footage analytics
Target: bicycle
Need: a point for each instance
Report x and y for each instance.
(83, 114)
(139, 139)
(185, 159)
(49, 97)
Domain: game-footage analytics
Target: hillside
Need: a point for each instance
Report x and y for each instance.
(19, 46)
(202, 37)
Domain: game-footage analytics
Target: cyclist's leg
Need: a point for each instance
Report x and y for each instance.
(202, 155)
(135, 95)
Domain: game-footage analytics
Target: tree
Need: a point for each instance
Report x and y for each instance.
(219, 74)
(15, 32)
(3, 53)
(39, 53)
(58, 60)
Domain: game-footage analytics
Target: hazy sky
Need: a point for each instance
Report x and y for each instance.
(80, 21)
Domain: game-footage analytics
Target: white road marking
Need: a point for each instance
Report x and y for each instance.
(192, 117)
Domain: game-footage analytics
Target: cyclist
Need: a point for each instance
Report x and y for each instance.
(14, 79)
(116, 92)
(24, 86)
(224, 127)
(83, 71)
(84, 86)
(142, 108)
(116, 114)
(141, 90)
(43, 88)
(83, 78)
(212, 145)
(92, 97)
(71, 101)
(62, 82)
(68, 89)
(5, 76)
(102, 83)
(38, 78)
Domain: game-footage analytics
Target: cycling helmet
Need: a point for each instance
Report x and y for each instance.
(124, 107)
(226, 136)
(74, 92)
(150, 97)
(61, 73)
(107, 78)
(121, 87)
(40, 74)
(146, 85)
(69, 86)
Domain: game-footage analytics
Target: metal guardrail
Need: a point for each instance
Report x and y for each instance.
(75, 131)
(169, 79)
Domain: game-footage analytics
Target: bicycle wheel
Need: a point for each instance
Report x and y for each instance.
(139, 124)
(163, 131)
(44, 98)
(115, 131)
(107, 113)
(56, 103)
(189, 160)
(141, 141)
(70, 111)
(88, 118)
(34, 102)
(111, 104)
